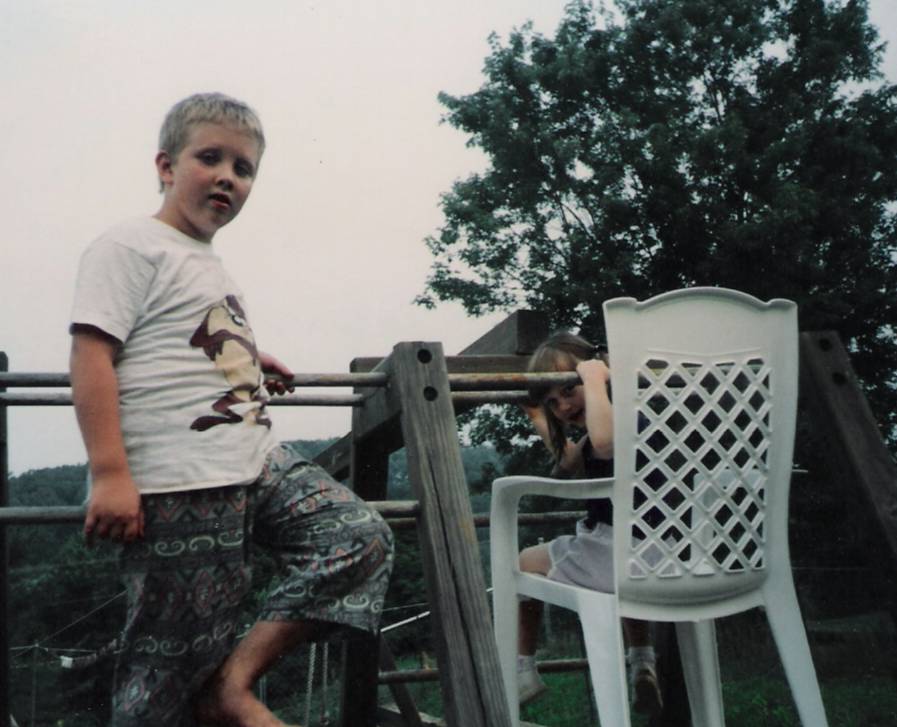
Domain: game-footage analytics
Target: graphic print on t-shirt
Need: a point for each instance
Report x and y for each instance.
(226, 338)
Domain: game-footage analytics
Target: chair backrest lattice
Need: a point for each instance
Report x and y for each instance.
(704, 395)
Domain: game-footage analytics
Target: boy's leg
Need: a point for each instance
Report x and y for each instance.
(228, 697)
(185, 580)
(336, 556)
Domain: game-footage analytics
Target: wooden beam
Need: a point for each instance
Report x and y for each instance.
(336, 458)
(369, 476)
(473, 694)
(5, 716)
(841, 414)
(400, 691)
(520, 333)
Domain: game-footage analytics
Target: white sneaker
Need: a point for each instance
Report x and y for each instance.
(645, 690)
(529, 685)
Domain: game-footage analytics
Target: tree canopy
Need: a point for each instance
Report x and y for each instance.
(744, 143)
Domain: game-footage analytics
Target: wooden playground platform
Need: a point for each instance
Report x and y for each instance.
(410, 399)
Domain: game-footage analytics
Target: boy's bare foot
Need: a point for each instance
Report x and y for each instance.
(226, 699)
(228, 706)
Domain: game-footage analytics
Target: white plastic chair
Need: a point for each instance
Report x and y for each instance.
(712, 376)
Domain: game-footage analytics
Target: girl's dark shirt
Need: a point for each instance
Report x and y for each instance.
(601, 510)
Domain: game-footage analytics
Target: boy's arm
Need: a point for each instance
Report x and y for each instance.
(114, 510)
(599, 413)
(278, 370)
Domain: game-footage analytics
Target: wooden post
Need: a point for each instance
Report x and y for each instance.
(841, 415)
(369, 473)
(518, 335)
(4, 562)
(400, 692)
(468, 659)
(849, 446)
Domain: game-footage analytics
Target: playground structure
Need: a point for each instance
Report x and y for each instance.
(411, 398)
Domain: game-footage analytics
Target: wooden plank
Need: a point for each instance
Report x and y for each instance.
(520, 333)
(369, 475)
(462, 632)
(676, 711)
(841, 414)
(400, 692)
(5, 716)
(336, 459)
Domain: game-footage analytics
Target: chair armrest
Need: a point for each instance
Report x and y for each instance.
(520, 485)
(506, 494)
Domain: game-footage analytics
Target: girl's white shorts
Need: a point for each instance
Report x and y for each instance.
(585, 559)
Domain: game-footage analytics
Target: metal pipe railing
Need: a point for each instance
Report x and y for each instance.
(65, 399)
(373, 379)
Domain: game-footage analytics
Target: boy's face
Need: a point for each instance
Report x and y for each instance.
(208, 182)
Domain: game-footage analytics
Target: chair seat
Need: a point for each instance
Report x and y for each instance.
(561, 594)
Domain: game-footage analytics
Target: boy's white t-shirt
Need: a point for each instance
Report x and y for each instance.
(191, 398)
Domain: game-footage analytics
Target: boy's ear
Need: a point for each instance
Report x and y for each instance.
(164, 167)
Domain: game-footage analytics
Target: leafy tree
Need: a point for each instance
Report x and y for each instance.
(742, 143)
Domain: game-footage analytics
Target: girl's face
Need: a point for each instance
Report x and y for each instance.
(567, 403)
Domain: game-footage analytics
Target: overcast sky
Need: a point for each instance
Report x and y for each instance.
(329, 249)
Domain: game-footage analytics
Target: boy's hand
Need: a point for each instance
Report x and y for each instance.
(275, 383)
(114, 510)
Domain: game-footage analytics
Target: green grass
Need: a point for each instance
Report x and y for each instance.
(869, 701)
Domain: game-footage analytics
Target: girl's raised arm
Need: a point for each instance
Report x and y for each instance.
(599, 413)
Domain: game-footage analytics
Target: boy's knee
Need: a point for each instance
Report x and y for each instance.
(384, 532)
(378, 540)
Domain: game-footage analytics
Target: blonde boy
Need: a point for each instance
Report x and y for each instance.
(170, 395)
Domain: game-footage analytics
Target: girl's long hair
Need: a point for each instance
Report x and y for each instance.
(559, 352)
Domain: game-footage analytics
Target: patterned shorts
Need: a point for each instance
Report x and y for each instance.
(187, 578)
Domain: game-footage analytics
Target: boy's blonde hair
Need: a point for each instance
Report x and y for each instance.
(214, 108)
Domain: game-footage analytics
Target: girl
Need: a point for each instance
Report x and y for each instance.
(586, 558)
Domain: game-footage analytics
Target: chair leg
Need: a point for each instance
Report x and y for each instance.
(505, 618)
(783, 614)
(604, 648)
(700, 665)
